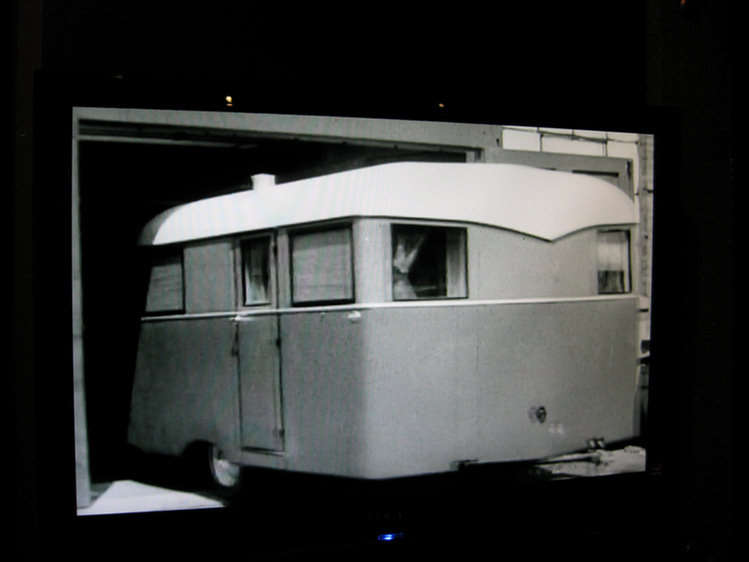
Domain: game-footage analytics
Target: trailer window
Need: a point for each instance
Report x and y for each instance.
(321, 266)
(613, 262)
(428, 262)
(256, 271)
(166, 284)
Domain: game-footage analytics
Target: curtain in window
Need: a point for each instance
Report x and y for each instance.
(321, 266)
(406, 247)
(165, 286)
(256, 271)
(613, 262)
(428, 262)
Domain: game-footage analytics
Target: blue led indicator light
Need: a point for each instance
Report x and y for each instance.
(390, 536)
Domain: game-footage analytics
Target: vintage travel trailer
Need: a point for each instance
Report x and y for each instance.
(389, 321)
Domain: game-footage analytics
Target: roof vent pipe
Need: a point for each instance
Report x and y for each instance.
(263, 181)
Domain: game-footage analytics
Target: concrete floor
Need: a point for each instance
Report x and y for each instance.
(129, 496)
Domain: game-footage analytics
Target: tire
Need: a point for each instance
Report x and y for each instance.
(226, 476)
(208, 469)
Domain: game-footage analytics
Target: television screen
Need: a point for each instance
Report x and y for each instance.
(360, 330)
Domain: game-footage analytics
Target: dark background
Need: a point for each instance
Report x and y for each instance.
(666, 65)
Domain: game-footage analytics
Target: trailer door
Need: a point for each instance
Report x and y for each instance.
(257, 348)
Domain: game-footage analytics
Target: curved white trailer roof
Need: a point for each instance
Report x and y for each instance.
(542, 203)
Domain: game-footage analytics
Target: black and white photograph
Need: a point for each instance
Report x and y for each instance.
(285, 289)
(384, 300)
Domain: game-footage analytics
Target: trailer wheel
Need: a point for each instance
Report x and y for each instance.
(225, 475)
(208, 469)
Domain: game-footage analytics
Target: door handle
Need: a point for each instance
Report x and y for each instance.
(354, 317)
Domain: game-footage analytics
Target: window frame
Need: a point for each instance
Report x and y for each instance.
(462, 229)
(627, 279)
(293, 233)
(153, 255)
(240, 283)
